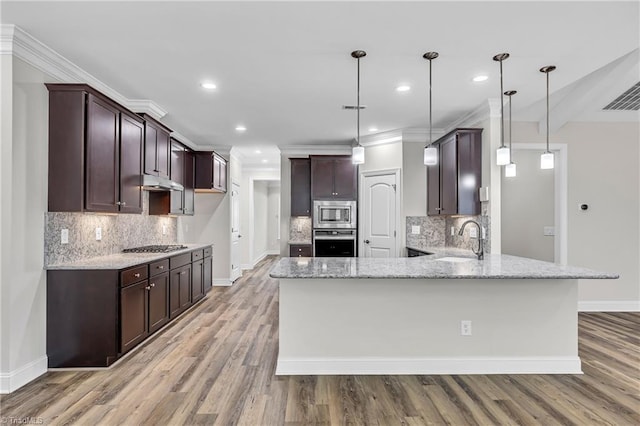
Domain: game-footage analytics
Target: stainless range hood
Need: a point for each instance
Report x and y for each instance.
(157, 183)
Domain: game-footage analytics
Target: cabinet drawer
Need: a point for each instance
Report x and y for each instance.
(208, 251)
(159, 267)
(300, 250)
(197, 255)
(181, 260)
(133, 275)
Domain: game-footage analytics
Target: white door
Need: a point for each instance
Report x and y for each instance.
(379, 220)
(236, 272)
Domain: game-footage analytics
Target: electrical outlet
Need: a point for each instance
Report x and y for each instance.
(98, 234)
(549, 231)
(164, 229)
(465, 328)
(64, 236)
(473, 232)
(415, 229)
(299, 227)
(453, 231)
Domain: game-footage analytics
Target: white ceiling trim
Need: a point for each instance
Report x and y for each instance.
(487, 109)
(17, 42)
(315, 150)
(420, 135)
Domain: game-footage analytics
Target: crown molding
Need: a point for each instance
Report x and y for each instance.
(15, 41)
(487, 109)
(382, 138)
(421, 135)
(188, 142)
(290, 150)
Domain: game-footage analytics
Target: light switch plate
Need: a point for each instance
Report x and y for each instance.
(98, 234)
(64, 236)
(453, 231)
(473, 232)
(549, 231)
(484, 193)
(415, 229)
(164, 229)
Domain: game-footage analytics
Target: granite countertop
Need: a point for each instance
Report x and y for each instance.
(123, 260)
(494, 266)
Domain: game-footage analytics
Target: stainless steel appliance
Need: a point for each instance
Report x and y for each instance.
(335, 215)
(334, 242)
(168, 248)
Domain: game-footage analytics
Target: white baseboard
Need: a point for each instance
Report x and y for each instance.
(15, 379)
(369, 366)
(609, 306)
(259, 259)
(222, 282)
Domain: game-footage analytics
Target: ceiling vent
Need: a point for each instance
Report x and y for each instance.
(628, 101)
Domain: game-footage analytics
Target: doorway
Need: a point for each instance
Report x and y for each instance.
(534, 206)
(236, 271)
(379, 214)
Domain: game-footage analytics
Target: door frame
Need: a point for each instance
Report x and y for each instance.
(383, 172)
(560, 182)
(253, 261)
(232, 277)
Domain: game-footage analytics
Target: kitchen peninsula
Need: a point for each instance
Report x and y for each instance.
(444, 313)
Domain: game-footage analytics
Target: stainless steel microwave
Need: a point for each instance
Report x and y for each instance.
(334, 214)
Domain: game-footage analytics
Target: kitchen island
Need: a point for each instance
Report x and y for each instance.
(408, 315)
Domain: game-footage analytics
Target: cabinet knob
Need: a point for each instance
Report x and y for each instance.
(136, 275)
(161, 267)
(124, 203)
(183, 272)
(148, 288)
(367, 241)
(153, 284)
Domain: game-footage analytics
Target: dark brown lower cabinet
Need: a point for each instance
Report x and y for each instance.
(96, 316)
(158, 301)
(179, 290)
(134, 313)
(197, 280)
(207, 273)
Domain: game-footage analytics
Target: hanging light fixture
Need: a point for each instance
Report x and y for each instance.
(502, 154)
(546, 159)
(510, 169)
(430, 151)
(357, 152)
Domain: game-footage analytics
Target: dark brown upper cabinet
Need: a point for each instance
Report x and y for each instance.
(300, 187)
(210, 172)
(453, 184)
(333, 177)
(95, 152)
(156, 147)
(182, 172)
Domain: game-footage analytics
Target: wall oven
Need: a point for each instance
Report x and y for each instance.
(334, 215)
(334, 243)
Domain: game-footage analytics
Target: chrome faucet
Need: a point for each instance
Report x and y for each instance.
(480, 252)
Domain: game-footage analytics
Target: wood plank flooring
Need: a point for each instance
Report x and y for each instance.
(216, 365)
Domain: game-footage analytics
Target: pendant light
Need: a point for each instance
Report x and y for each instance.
(357, 152)
(502, 154)
(510, 169)
(546, 159)
(430, 151)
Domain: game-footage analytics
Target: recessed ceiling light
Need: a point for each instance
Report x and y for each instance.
(258, 151)
(373, 129)
(241, 128)
(480, 78)
(265, 160)
(403, 88)
(208, 85)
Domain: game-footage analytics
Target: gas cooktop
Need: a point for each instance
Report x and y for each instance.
(155, 249)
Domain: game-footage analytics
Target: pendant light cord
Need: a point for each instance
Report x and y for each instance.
(502, 111)
(358, 105)
(430, 108)
(510, 139)
(548, 112)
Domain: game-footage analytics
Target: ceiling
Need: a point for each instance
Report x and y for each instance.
(284, 70)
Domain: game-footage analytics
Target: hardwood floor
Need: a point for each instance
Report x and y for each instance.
(216, 365)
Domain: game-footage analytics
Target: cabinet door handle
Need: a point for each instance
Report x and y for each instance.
(183, 272)
(148, 288)
(136, 275)
(161, 267)
(124, 203)
(367, 241)
(118, 203)
(153, 284)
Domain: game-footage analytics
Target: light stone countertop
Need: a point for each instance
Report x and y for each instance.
(301, 242)
(122, 260)
(493, 266)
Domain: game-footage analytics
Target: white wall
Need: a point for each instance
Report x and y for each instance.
(414, 180)
(603, 163)
(260, 219)
(23, 189)
(527, 207)
(273, 215)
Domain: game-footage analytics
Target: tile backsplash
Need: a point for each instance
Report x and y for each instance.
(119, 231)
(300, 229)
(435, 231)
